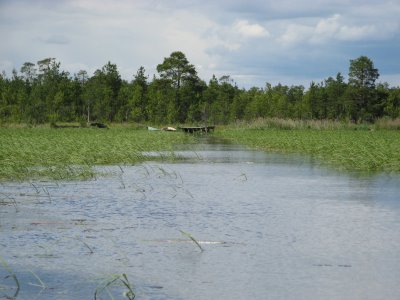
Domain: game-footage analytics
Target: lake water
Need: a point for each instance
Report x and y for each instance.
(271, 227)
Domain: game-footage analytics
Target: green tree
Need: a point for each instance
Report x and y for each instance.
(392, 108)
(101, 93)
(139, 98)
(226, 90)
(177, 69)
(161, 103)
(279, 103)
(240, 101)
(82, 104)
(335, 89)
(13, 94)
(29, 71)
(113, 82)
(362, 96)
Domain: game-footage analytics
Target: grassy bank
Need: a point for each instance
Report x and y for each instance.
(358, 148)
(28, 153)
(72, 153)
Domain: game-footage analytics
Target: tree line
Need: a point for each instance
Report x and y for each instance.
(43, 92)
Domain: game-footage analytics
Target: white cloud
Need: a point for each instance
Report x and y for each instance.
(295, 34)
(250, 30)
(328, 26)
(336, 27)
(254, 39)
(352, 33)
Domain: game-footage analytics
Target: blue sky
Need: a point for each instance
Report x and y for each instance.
(291, 42)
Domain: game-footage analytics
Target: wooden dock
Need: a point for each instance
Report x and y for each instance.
(200, 129)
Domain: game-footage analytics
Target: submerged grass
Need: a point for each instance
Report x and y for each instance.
(4, 264)
(188, 235)
(72, 153)
(112, 281)
(348, 149)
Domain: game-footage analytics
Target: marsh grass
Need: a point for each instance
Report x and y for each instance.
(6, 199)
(11, 273)
(115, 280)
(348, 149)
(65, 154)
(90, 249)
(41, 284)
(188, 235)
(291, 124)
(387, 123)
(31, 153)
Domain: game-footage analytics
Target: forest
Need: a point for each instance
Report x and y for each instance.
(42, 92)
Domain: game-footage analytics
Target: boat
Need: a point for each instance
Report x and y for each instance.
(193, 129)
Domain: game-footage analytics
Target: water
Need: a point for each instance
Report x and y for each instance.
(271, 226)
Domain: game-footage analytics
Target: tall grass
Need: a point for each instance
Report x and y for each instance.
(112, 281)
(290, 124)
(359, 150)
(72, 153)
(387, 123)
(11, 273)
(188, 235)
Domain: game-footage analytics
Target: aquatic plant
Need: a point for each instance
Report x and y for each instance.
(290, 124)
(83, 242)
(29, 153)
(324, 124)
(41, 283)
(115, 280)
(192, 239)
(6, 199)
(354, 150)
(12, 275)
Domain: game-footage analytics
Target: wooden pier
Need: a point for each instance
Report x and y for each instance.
(200, 129)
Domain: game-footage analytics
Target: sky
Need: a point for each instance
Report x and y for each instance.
(252, 41)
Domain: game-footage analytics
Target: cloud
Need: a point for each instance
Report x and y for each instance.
(328, 26)
(342, 29)
(353, 33)
(295, 34)
(260, 40)
(250, 30)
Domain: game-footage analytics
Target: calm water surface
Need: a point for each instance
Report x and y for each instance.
(271, 226)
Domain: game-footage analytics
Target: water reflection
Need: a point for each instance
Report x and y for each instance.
(272, 226)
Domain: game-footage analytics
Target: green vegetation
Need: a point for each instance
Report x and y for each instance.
(29, 153)
(188, 235)
(72, 153)
(355, 148)
(116, 280)
(4, 264)
(44, 93)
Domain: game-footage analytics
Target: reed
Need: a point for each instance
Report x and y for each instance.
(112, 281)
(387, 123)
(41, 284)
(12, 275)
(30, 153)
(83, 242)
(324, 124)
(290, 124)
(354, 150)
(192, 239)
(6, 199)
